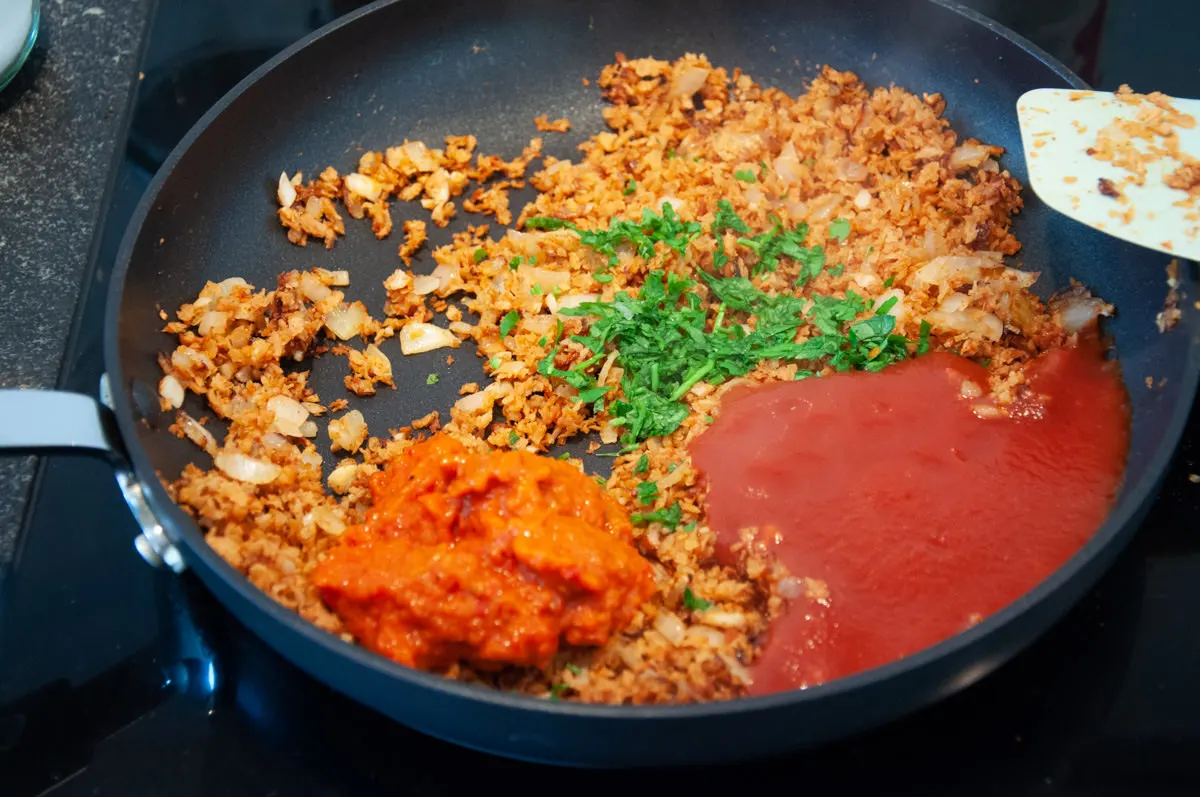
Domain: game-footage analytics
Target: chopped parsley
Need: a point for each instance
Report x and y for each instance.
(647, 492)
(513, 438)
(839, 229)
(666, 340)
(923, 337)
(494, 363)
(536, 290)
(887, 305)
(603, 278)
(771, 245)
(574, 669)
(692, 603)
(669, 517)
(670, 154)
(515, 263)
(643, 464)
(565, 455)
(480, 255)
(837, 270)
(600, 480)
(690, 526)
(887, 283)
(630, 187)
(592, 394)
(432, 379)
(542, 341)
(762, 171)
(557, 690)
(666, 228)
(745, 175)
(728, 219)
(508, 322)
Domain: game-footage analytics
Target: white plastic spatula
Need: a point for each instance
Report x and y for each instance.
(1059, 126)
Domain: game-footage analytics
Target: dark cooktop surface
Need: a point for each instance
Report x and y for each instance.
(117, 679)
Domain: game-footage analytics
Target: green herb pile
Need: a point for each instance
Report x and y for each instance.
(667, 340)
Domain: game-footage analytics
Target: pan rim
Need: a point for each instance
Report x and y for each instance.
(182, 529)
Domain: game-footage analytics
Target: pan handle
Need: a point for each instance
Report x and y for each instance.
(45, 421)
(49, 421)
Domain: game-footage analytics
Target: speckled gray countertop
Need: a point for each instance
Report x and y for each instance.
(60, 123)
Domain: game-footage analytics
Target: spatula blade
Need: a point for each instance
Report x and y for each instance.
(1058, 126)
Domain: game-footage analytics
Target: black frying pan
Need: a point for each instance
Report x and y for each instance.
(422, 70)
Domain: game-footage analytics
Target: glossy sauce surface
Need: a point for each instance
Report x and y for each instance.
(920, 516)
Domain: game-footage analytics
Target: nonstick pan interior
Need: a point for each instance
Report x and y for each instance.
(423, 70)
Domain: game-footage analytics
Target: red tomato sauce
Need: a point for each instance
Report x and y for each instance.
(919, 515)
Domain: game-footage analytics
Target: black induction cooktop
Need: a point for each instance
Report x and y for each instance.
(119, 679)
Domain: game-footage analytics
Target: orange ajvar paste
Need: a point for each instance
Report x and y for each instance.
(490, 558)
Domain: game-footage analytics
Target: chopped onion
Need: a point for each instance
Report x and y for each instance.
(171, 389)
(474, 402)
(629, 655)
(736, 669)
(246, 469)
(197, 433)
(790, 587)
(953, 270)
(608, 434)
(511, 368)
(289, 415)
(346, 320)
(286, 192)
(954, 303)
(671, 479)
(445, 274)
(970, 321)
(364, 186)
(862, 200)
(1076, 308)
(526, 242)
(970, 390)
(342, 477)
(274, 441)
(340, 278)
(227, 285)
(967, 155)
(313, 289)
(312, 208)
(378, 362)
(754, 195)
(689, 81)
(787, 165)
(417, 337)
(424, 285)
(576, 299)
(348, 432)
(722, 619)
(670, 626)
(712, 636)
(327, 520)
(675, 202)
(987, 411)
(848, 170)
(539, 324)
(186, 359)
(311, 457)
(398, 281)
(604, 369)
(545, 278)
(308, 429)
